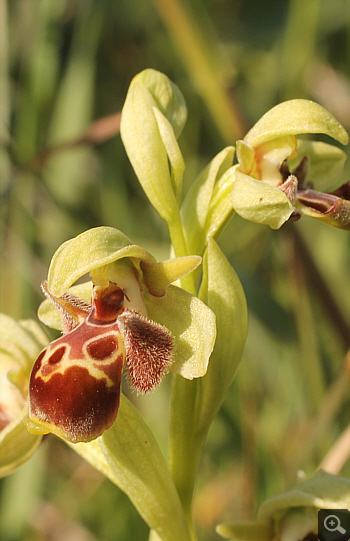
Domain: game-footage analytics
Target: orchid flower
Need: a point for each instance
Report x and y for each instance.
(135, 320)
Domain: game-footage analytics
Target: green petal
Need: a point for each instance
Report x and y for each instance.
(142, 132)
(90, 250)
(326, 163)
(323, 491)
(130, 457)
(245, 156)
(157, 276)
(222, 291)
(257, 201)
(198, 207)
(189, 320)
(16, 446)
(295, 117)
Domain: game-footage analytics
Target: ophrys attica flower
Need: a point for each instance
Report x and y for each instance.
(135, 320)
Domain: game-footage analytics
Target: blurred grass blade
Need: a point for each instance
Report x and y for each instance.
(202, 66)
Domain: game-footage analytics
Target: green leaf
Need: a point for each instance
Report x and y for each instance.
(292, 118)
(198, 208)
(259, 202)
(189, 320)
(326, 163)
(88, 251)
(222, 291)
(129, 456)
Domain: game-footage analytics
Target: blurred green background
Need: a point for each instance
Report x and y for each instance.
(67, 63)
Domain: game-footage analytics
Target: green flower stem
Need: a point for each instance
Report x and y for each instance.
(195, 403)
(180, 248)
(185, 443)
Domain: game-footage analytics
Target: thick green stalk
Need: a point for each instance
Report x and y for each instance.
(179, 244)
(185, 443)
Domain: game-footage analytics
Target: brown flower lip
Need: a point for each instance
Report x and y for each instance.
(75, 383)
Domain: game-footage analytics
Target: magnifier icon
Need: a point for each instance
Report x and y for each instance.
(332, 524)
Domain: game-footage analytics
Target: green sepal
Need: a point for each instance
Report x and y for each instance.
(149, 142)
(129, 456)
(325, 164)
(259, 202)
(207, 203)
(88, 251)
(295, 117)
